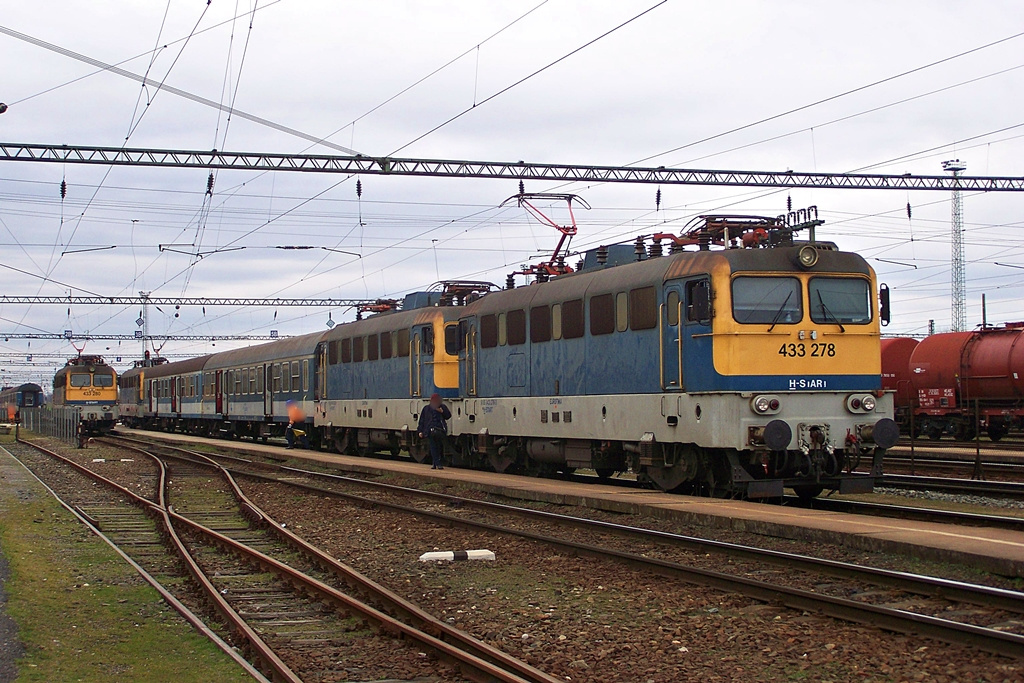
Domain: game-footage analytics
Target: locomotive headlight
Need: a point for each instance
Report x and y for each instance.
(868, 403)
(807, 256)
(765, 405)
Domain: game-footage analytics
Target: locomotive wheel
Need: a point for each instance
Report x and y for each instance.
(934, 433)
(604, 472)
(808, 491)
(669, 478)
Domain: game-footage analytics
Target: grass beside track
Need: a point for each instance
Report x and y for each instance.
(83, 613)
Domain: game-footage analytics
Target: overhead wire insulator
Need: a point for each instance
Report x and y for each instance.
(789, 203)
(657, 200)
(209, 184)
(522, 187)
(908, 211)
(359, 188)
(63, 189)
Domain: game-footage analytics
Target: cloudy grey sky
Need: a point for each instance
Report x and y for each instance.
(684, 72)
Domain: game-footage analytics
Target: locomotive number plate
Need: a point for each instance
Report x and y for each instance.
(813, 350)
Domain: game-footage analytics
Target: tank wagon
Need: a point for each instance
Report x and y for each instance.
(959, 383)
(13, 399)
(736, 371)
(89, 385)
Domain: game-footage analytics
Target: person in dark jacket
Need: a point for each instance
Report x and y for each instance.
(434, 428)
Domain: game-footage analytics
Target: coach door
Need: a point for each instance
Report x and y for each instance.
(320, 370)
(218, 383)
(152, 387)
(670, 347)
(415, 363)
(467, 358)
(175, 381)
(268, 390)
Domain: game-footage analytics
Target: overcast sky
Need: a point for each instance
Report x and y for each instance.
(684, 72)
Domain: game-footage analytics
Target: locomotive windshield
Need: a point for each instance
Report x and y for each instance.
(99, 380)
(767, 300)
(841, 300)
(80, 379)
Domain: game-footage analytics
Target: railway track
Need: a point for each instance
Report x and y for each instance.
(920, 514)
(988, 618)
(977, 487)
(276, 592)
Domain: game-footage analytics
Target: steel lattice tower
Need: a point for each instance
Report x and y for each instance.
(958, 298)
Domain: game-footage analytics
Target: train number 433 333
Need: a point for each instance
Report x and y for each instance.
(814, 350)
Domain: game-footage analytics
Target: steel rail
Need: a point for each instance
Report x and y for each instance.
(987, 487)
(910, 512)
(478, 660)
(191, 617)
(262, 652)
(888, 618)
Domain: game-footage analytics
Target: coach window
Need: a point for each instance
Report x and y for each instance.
(403, 343)
(602, 314)
(502, 330)
(488, 331)
(305, 375)
(260, 385)
(252, 380)
(295, 375)
(239, 387)
(346, 350)
(763, 300)
(621, 312)
(275, 375)
(332, 352)
(387, 345)
(372, 347)
(572, 319)
(540, 324)
(643, 308)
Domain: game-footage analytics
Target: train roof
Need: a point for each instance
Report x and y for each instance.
(596, 280)
(303, 345)
(28, 386)
(178, 367)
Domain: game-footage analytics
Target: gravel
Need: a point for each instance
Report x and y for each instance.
(597, 620)
(959, 498)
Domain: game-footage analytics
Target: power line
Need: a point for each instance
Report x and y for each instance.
(187, 301)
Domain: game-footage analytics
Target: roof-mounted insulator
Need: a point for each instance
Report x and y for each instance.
(638, 249)
(602, 255)
(542, 276)
(510, 281)
(675, 248)
(655, 250)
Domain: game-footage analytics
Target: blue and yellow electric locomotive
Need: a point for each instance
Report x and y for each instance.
(88, 384)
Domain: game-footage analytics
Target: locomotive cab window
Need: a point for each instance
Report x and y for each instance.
(428, 340)
(451, 339)
(698, 301)
(840, 300)
(80, 379)
(767, 300)
(672, 307)
(102, 380)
